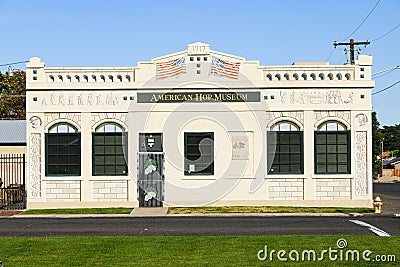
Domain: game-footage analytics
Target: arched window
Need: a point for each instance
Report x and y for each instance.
(109, 150)
(348, 76)
(313, 76)
(60, 78)
(296, 76)
(321, 76)
(285, 149)
(51, 77)
(304, 76)
(103, 79)
(128, 78)
(278, 77)
(62, 128)
(77, 79)
(63, 151)
(332, 148)
(119, 77)
(269, 77)
(94, 78)
(69, 78)
(85, 78)
(339, 76)
(285, 126)
(330, 76)
(110, 78)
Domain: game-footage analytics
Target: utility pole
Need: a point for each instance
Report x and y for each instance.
(351, 44)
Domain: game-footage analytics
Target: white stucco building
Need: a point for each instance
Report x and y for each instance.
(199, 127)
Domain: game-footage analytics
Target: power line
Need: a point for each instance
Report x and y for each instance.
(390, 86)
(14, 63)
(389, 69)
(362, 22)
(380, 37)
(385, 72)
(377, 77)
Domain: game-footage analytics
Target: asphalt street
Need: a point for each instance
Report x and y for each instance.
(195, 226)
(390, 195)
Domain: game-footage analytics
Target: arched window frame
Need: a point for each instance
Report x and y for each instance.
(109, 152)
(62, 127)
(332, 151)
(285, 148)
(62, 150)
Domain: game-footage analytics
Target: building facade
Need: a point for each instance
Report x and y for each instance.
(199, 127)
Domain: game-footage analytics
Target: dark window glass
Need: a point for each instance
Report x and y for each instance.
(285, 152)
(108, 153)
(63, 154)
(199, 153)
(332, 152)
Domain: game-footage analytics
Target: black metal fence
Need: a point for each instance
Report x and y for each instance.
(12, 182)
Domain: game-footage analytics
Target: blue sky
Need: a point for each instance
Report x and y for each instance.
(121, 33)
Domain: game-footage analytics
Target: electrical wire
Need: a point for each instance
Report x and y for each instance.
(380, 37)
(14, 63)
(384, 74)
(390, 86)
(362, 22)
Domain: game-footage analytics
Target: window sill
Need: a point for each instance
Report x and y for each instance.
(285, 176)
(199, 177)
(63, 178)
(110, 177)
(332, 175)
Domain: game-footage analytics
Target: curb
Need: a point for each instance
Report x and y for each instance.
(187, 215)
(65, 216)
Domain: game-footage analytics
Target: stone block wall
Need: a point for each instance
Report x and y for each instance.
(110, 190)
(332, 189)
(63, 191)
(285, 189)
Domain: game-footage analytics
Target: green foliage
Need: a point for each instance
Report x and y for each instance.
(392, 137)
(376, 143)
(12, 96)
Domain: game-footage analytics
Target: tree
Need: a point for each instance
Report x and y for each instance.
(12, 96)
(392, 137)
(376, 143)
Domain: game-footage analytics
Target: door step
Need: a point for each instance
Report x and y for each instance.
(149, 212)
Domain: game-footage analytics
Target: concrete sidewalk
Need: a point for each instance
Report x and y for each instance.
(149, 212)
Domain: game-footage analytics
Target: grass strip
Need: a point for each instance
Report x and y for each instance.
(188, 251)
(266, 209)
(80, 211)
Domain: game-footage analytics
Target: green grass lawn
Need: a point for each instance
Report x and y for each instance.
(182, 251)
(194, 210)
(265, 209)
(80, 211)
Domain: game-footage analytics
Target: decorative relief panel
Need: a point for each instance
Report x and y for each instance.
(96, 117)
(35, 122)
(50, 117)
(361, 182)
(83, 99)
(308, 97)
(35, 164)
(344, 115)
(361, 119)
(298, 115)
